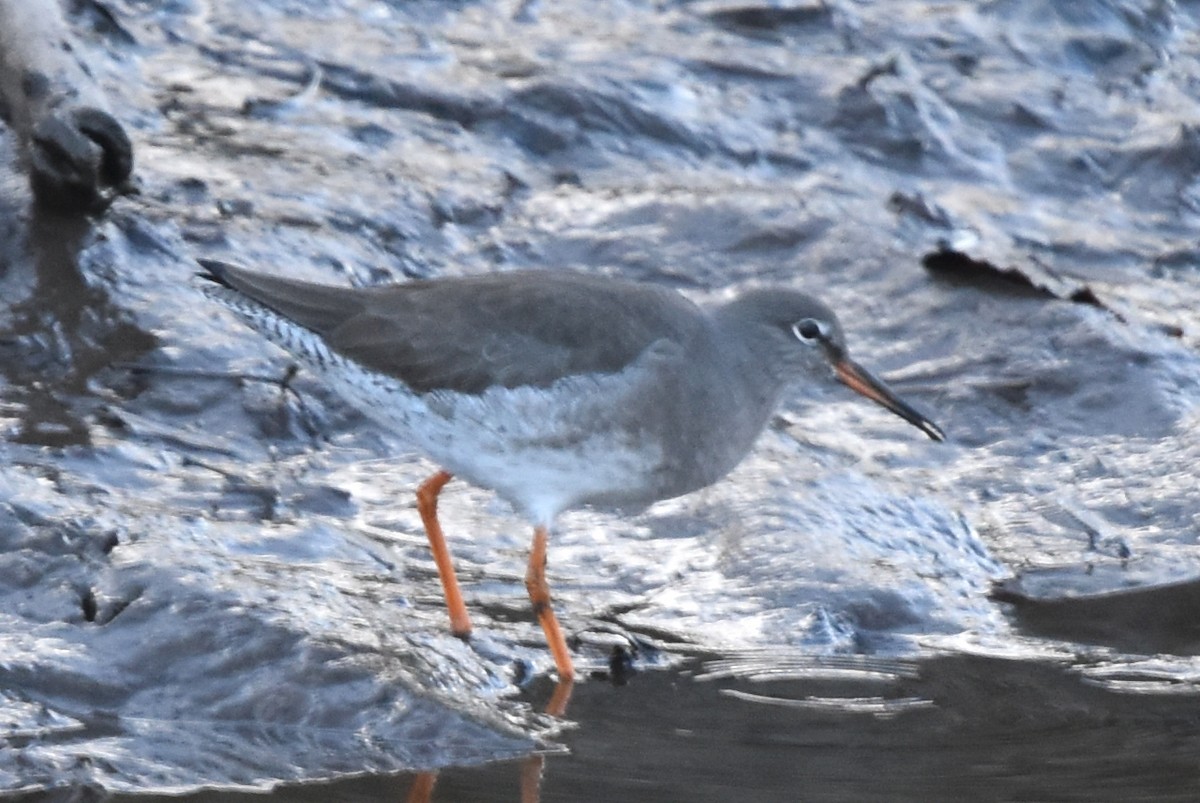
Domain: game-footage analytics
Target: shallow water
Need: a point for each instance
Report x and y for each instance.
(949, 728)
(212, 577)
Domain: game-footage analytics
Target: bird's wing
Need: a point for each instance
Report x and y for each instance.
(470, 333)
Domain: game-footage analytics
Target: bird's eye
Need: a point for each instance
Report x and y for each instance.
(809, 330)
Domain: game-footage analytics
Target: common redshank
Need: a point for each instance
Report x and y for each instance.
(556, 389)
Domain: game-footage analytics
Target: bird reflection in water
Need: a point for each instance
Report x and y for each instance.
(531, 768)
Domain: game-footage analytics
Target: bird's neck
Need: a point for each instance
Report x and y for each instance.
(735, 390)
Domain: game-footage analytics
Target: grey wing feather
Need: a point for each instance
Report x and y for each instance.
(467, 334)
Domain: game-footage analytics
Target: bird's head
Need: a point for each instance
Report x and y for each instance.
(802, 338)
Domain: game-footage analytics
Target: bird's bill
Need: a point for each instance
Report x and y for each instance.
(861, 380)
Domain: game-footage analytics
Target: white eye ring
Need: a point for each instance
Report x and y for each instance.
(810, 330)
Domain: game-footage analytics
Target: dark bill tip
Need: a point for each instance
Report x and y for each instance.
(862, 381)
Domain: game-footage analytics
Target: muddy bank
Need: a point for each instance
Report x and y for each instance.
(214, 575)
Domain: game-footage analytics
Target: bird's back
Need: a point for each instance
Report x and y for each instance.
(466, 334)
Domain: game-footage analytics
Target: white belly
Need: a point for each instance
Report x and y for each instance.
(544, 450)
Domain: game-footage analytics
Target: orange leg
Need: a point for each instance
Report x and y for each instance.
(557, 706)
(422, 788)
(531, 778)
(427, 498)
(534, 767)
(539, 595)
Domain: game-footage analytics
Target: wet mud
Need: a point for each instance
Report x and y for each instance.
(212, 571)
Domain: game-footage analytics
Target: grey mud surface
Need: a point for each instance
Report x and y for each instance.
(213, 578)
